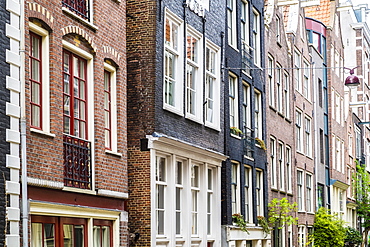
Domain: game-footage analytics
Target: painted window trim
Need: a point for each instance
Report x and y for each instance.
(198, 116)
(45, 97)
(178, 108)
(113, 111)
(216, 87)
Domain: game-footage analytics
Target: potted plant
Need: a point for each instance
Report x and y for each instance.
(235, 131)
(261, 143)
(239, 221)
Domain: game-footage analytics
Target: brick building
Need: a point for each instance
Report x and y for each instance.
(355, 38)
(244, 184)
(279, 117)
(338, 136)
(303, 118)
(175, 122)
(75, 103)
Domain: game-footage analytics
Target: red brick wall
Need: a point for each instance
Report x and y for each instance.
(106, 41)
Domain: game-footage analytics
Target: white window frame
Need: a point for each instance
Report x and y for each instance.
(158, 183)
(256, 29)
(246, 109)
(259, 193)
(210, 199)
(309, 193)
(231, 27)
(297, 71)
(179, 188)
(178, 87)
(233, 101)
(299, 131)
(286, 95)
(273, 158)
(235, 188)
(279, 88)
(45, 78)
(195, 113)
(288, 158)
(248, 195)
(113, 93)
(307, 80)
(258, 114)
(215, 74)
(300, 191)
(195, 198)
(271, 80)
(308, 136)
(301, 236)
(281, 152)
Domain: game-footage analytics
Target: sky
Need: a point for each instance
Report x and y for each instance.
(355, 2)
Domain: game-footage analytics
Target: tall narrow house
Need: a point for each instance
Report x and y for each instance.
(75, 103)
(244, 183)
(175, 122)
(279, 117)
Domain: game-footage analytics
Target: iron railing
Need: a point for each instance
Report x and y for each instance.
(79, 7)
(247, 58)
(77, 162)
(248, 142)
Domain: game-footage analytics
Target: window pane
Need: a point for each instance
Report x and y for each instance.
(96, 233)
(35, 121)
(35, 70)
(36, 235)
(105, 236)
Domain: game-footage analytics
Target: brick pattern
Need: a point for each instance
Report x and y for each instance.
(139, 203)
(105, 39)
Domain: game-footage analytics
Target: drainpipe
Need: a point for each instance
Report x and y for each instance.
(23, 128)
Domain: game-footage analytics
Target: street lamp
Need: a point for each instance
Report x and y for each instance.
(352, 81)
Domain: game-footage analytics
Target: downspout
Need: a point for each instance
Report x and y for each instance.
(23, 128)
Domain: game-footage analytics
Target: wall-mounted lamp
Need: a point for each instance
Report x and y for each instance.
(352, 81)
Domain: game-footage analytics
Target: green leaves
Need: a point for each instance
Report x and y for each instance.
(329, 230)
(280, 213)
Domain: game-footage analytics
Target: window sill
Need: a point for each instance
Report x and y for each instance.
(113, 153)
(41, 132)
(77, 190)
(248, 158)
(193, 118)
(235, 136)
(87, 23)
(173, 110)
(212, 126)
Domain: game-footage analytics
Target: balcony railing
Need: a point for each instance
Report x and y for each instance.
(77, 162)
(249, 142)
(79, 7)
(247, 58)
